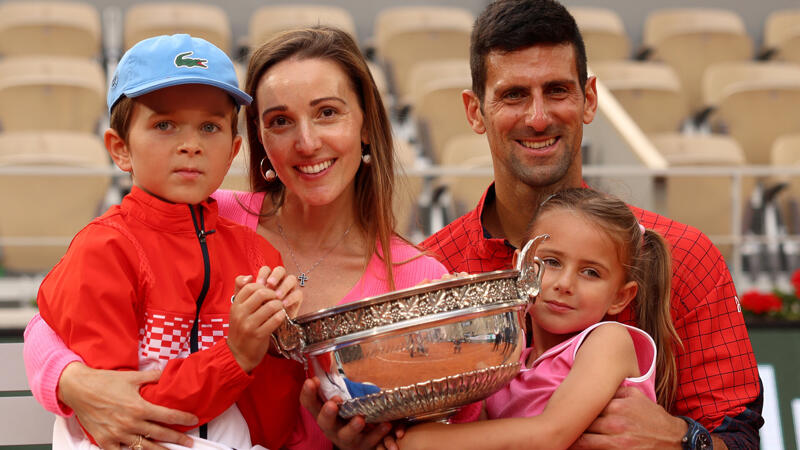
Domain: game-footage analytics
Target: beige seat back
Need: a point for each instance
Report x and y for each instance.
(712, 215)
(435, 97)
(42, 212)
(50, 92)
(786, 153)
(407, 187)
(649, 91)
(691, 39)
(755, 102)
(407, 35)
(148, 19)
(49, 28)
(268, 21)
(603, 33)
(782, 34)
(238, 176)
(468, 151)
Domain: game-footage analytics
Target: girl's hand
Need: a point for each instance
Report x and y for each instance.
(447, 276)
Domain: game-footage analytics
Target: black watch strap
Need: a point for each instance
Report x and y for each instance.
(696, 437)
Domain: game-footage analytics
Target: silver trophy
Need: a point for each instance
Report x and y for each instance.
(419, 353)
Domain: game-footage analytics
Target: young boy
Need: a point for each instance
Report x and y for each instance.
(148, 284)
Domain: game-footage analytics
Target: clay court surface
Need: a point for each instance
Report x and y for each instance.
(399, 368)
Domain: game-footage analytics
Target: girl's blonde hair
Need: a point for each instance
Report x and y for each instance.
(646, 256)
(374, 183)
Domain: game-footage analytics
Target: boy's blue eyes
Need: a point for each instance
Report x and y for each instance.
(206, 127)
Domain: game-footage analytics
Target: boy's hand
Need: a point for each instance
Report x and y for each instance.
(255, 313)
(285, 287)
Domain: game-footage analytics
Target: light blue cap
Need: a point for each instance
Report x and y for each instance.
(165, 61)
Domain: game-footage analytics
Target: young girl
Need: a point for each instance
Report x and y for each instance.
(597, 260)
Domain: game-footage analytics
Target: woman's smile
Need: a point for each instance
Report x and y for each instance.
(316, 168)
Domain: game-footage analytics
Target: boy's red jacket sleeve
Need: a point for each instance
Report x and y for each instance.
(95, 307)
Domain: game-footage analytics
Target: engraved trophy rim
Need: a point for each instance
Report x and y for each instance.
(427, 288)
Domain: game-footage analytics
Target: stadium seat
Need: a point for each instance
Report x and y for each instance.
(435, 89)
(49, 28)
(148, 19)
(649, 91)
(786, 153)
(468, 151)
(47, 209)
(382, 83)
(603, 33)
(407, 187)
(713, 215)
(691, 39)
(267, 21)
(50, 92)
(238, 176)
(407, 35)
(782, 35)
(755, 102)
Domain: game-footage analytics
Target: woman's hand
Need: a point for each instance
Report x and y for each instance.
(355, 434)
(108, 405)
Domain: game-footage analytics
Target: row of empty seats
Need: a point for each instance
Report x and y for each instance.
(753, 101)
(420, 64)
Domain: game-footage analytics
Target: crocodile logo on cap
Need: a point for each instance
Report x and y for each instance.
(183, 60)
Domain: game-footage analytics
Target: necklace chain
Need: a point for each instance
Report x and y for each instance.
(303, 277)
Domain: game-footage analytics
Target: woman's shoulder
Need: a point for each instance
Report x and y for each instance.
(226, 197)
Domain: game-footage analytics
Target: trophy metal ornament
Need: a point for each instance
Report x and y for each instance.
(423, 352)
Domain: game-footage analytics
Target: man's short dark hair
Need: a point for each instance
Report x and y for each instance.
(511, 25)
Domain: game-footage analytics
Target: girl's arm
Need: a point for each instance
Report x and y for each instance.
(603, 361)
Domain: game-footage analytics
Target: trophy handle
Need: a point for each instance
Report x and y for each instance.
(290, 340)
(531, 269)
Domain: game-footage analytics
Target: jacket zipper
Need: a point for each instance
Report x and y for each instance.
(199, 228)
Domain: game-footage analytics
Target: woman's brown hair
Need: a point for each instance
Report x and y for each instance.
(646, 256)
(373, 182)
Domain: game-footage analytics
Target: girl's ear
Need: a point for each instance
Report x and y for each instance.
(624, 296)
(118, 150)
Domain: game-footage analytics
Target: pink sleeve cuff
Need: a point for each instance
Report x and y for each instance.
(46, 357)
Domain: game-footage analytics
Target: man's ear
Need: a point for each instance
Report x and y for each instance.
(624, 296)
(472, 107)
(118, 150)
(590, 100)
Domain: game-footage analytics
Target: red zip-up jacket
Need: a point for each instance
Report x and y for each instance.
(148, 285)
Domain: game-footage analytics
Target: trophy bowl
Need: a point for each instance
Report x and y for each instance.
(419, 353)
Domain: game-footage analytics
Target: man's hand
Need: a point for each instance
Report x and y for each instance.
(107, 403)
(356, 434)
(632, 421)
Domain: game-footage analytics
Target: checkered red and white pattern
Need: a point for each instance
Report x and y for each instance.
(165, 336)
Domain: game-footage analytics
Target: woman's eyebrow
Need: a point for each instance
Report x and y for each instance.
(316, 101)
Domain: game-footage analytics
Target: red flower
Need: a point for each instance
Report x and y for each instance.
(796, 282)
(761, 303)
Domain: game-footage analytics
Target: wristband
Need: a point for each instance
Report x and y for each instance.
(696, 437)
